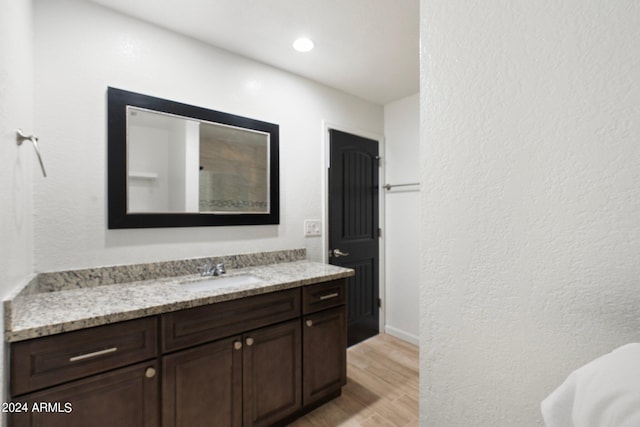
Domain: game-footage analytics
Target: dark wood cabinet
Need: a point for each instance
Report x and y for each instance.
(324, 341)
(248, 380)
(255, 361)
(324, 347)
(272, 373)
(125, 397)
(202, 386)
(47, 361)
(88, 377)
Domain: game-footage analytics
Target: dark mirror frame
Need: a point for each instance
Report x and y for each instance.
(118, 217)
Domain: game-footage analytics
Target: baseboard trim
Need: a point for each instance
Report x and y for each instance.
(399, 333)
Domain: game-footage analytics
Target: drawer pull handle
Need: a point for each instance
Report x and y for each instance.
(94, 354)
(309, 323)
(237, 345)
(150, 372)
(329, 296)
(249, 341)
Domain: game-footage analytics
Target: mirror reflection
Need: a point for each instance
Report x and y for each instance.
(172, 164)
(181, 165)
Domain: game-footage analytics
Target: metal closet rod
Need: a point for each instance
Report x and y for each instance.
(390, 186)
(21, 137)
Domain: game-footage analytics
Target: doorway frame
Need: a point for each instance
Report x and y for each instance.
(326, 142)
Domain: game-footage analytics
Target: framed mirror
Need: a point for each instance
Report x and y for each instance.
(178, 165)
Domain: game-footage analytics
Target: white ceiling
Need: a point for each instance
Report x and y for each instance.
(368, 48)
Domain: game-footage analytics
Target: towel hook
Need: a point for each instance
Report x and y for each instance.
(20, 138)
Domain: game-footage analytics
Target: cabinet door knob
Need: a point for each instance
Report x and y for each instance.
(249, 341)
(237, 345)
(150, 372)
(309, 322)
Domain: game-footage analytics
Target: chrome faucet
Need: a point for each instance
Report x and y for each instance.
(212, 269)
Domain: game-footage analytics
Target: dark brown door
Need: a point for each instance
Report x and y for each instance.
(202, 386)
(323, 342)
(126, 397)
(353, 227)
(272, 373)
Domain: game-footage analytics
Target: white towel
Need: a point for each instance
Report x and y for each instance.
(602, 393)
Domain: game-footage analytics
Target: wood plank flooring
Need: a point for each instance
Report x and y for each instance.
(381, 390)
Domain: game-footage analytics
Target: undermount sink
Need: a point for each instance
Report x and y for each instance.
(220, 282)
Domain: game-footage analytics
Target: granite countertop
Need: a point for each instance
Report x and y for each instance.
(40, 314)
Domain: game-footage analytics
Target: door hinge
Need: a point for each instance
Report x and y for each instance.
(378, 160)
(379, 232)
(379, 302)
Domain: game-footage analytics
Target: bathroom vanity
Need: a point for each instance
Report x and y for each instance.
(255, 354)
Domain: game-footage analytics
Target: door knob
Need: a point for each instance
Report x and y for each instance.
(338, 253)
(249, 341)
(237, 345)
(150, 372)
(309, 323)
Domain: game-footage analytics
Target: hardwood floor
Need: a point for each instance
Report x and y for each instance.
(381, 390)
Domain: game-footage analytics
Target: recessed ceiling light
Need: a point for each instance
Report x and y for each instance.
(303, 44)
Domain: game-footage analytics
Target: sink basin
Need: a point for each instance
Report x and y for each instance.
(220, 282)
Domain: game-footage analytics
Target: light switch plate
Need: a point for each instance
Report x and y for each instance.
(312, 227)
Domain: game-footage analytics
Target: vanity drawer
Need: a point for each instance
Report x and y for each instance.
(199, 325)
(323, 295)
(43, 362)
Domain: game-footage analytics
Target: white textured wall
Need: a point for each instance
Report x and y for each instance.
(402, 217)
(80, 49)
(530, 145)
(16, 163)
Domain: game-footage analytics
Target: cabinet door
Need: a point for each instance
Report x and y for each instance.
(325, 357)
(272, 373)
(202, 386)
(126, 397)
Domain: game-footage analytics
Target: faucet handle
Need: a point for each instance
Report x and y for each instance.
(221, 269)
(205, 270)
